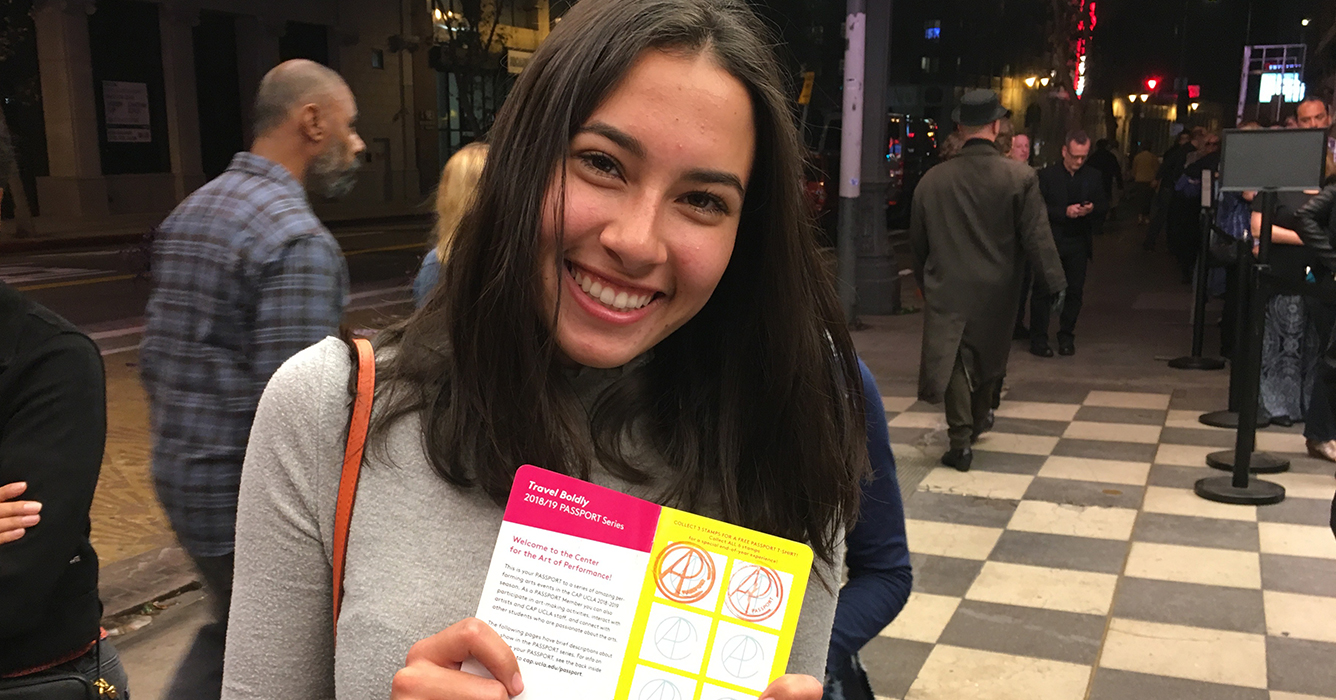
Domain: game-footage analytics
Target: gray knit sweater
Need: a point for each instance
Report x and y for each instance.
(418, 549)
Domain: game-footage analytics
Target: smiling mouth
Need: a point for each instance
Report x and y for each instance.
(608, 294)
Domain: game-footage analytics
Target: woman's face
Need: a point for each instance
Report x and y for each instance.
(654, 189)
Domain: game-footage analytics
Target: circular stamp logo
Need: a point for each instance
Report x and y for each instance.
(660, 689)
(684, 573)
(755, 593)
(675, 638)
(742, 657)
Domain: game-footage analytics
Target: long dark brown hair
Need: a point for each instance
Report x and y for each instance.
(754, 405)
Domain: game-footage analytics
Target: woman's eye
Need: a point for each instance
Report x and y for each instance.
(600, 162)
(707, 202)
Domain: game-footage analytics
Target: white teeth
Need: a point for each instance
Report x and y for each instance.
(622, 301)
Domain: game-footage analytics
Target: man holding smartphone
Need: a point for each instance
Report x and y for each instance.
(1075, 198)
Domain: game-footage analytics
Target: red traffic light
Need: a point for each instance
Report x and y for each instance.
(1152, 83)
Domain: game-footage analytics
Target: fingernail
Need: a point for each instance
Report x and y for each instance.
(517, 684)
(29, 520)
(32, 507)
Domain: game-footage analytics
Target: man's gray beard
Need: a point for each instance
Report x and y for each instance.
(326, 178)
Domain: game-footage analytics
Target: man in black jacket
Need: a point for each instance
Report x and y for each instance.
(53, 424)
(1074, 195)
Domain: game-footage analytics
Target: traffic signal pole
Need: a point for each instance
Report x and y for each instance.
(851, 147)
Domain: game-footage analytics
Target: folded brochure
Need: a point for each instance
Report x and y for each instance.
(605, 596)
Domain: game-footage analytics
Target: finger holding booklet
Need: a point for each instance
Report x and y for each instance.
(635, 302)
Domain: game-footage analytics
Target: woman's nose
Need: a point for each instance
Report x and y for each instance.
(635, 239)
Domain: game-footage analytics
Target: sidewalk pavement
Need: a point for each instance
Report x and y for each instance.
(1074, 561)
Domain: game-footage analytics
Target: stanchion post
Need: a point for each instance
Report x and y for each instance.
(1238, 488)
(1242, 322)
(1195, 360)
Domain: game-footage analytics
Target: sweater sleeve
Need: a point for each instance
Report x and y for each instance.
(53, 440)
(878, 551)
(280, 631)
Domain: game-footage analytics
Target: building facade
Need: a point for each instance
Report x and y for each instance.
(144, 100)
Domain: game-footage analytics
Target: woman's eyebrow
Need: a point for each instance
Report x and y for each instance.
(633, 145)
(716, 177)
(617, 136)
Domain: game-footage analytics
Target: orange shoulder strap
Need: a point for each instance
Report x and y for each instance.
(352, 463)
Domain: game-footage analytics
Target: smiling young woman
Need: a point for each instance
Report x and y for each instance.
(635, 299)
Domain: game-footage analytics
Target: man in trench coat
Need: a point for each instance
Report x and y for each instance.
(976, 219)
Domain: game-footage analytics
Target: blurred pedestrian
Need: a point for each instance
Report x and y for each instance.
(1183, 224)
(1316, 226)
(1075, 201)
(1144, 166)
(613, 309)
(1106, 162)
(1312, 113)
(1295, 329)
(976, 219)
(245, 277)
(1020, 148)
(1171, 166)
(951, 146)
(454, 195)
(53, 427)
(1020, 152)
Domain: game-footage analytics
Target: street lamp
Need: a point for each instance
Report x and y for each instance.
(1193, 107)
(1144, 97)
(1029, 82)
(1304, 22)
(1043, 82)
(1131, 98)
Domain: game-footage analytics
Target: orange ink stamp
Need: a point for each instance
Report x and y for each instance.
(684, 573)
(755, 593)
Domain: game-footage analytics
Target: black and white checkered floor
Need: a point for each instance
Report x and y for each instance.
(1074, 561)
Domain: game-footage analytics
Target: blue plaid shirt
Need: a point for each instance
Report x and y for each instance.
(245, 276)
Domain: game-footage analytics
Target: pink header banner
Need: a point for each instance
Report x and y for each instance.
(559, 503)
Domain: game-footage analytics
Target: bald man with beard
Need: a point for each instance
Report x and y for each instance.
(245, 277)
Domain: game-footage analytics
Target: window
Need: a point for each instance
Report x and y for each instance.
(378, 59)
(517, 13)
(932, 29)
(929, 64)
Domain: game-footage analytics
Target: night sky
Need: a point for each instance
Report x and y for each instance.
(1136, 39)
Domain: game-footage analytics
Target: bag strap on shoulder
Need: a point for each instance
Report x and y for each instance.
(352, 463)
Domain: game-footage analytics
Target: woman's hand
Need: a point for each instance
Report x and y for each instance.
(16, 516)
(431, 671)
(794, 687)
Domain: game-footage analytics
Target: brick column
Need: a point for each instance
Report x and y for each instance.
(176, 24)
(75, 187)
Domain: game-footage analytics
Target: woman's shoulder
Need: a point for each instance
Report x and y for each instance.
(310, 389)
(320, 372)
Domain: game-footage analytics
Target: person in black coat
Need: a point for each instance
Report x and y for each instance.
(1317, 228)
(1074, 196)
(53, 426)
(1104, 160)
